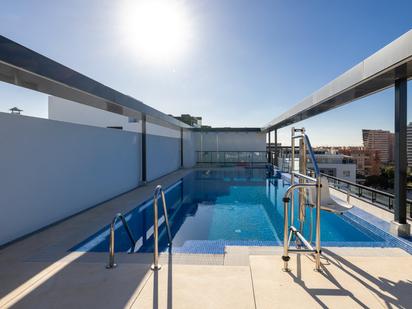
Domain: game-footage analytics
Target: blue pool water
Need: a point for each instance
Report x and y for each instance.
(212, 208)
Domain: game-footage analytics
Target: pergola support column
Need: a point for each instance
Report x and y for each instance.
(400, 226)
(269, 146)
(181, 147)
(276, 147)
(144, 163)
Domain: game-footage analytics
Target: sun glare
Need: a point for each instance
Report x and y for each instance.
(158, 31)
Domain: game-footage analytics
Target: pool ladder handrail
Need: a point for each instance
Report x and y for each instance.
(289, 231)
(159, 190)
(112, 264)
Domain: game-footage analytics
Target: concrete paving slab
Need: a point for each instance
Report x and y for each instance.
(389, 279)
(77, 285)
(199, 287)
(350, 282)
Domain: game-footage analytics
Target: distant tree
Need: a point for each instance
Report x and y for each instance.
(385, 180)
(376, 181)
(388, 172)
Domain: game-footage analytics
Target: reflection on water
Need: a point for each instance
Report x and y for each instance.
(221, 205)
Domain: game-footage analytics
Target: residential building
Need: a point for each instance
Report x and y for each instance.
(367, 161)
(380, 141)
(336, 165)
(332, 164)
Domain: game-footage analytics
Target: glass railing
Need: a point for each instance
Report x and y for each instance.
(373, 196)
(231, 157)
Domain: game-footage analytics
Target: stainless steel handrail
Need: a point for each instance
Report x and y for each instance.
(158, 189)
(112, 264)
(289, 197)
(286, 228)
(300, 175)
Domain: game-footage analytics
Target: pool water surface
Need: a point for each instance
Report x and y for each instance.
(209, 209)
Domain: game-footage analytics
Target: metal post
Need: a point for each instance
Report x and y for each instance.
(111, 240)
(285, 256)
(144, 176)
(292, 176)
(276, 147)
(201, 148)
(318, 250)
(111, 264)
(169, 233)
(158, 189)
(302, 170)
(181, 147)
(155, 265)
(269, 150)
(400, 150)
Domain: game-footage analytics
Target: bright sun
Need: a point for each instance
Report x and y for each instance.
(157, 30)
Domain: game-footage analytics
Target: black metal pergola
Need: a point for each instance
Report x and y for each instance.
(391, 66)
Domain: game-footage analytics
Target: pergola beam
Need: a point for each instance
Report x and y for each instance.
(391, 66)
(374, 74)
(24, 67)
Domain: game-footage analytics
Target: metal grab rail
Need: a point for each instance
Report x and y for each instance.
(112, 264)
(287, 236)
(290, 231)
(156, 265)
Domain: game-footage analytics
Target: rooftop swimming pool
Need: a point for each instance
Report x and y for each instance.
(209, 209)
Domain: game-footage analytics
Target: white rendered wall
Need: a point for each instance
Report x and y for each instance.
(189, 148)
(163, 156)
(340, 169)
(230, 141)
(50, 170)
(69, 111)
(162, 141)
(163, 148)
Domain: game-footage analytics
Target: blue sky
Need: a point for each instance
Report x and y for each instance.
(245, 61)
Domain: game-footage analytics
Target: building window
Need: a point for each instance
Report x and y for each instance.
(328, 171)
(346, 173)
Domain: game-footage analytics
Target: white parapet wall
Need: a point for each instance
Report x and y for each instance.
(163, 148)
(51, 170)
(69, 111)
(163, 139)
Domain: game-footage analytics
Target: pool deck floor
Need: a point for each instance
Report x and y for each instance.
(39, 272)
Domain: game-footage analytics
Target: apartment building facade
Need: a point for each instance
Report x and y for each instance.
(367, 161)
(381, 142)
